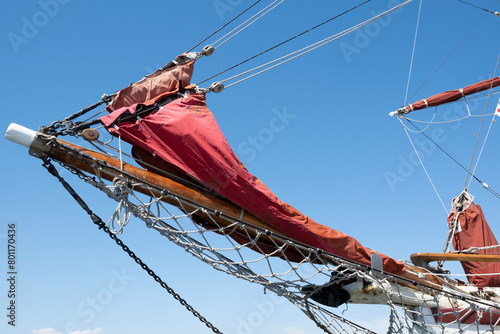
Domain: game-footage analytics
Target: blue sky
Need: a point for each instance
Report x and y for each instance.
(339, 158)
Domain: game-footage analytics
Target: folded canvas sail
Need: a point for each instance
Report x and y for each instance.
(179, 132)
(450, 96)
(474, 231)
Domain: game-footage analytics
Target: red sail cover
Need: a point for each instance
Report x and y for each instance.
(184, 133)
(454, 95)
(474, 231)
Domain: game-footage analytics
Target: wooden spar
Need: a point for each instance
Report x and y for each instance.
(108, 167)
(425, 258)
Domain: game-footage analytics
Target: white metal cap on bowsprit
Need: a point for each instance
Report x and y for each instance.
(20, 135)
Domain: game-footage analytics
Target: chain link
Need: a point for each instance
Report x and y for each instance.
(102, 226)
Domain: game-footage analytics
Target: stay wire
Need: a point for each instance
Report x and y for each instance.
(102, 226)
(284, 42)
(413, 51)
(425, 170)
(486, 10)
(448, 57)
(155, 168)
(487, 187)
(480, 127)
(442, 150)
(266, 11)
(225, 25)
(309, 48)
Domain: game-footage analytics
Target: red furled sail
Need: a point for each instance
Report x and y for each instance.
(183, 133)
(452, 95)
(474, 231)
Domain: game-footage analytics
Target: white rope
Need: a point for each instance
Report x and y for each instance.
(413, 53)
(400, 117)
(249, 24)
(482, 147)
(213, 245)
(451, 233)
(459, 275)
(425, 170)
(309, 48)
(442, 122)
(489, 128)
(122, 192)
(120, 150)
(467, 105)
(477, 249)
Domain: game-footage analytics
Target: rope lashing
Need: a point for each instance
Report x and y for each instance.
(122, 214)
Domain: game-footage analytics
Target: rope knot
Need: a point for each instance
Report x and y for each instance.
(122, 213)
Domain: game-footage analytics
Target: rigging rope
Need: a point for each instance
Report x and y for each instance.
(486, 186)
(442, 122)
(152, 167)
(426, 173)
(258, 18)
(487, 10)
(413, 51)
(284, 42)
(225, 25)
(310, 48)
(278, 282)
(122, 192)
(102, 226)
(446, 59)
(479, 131)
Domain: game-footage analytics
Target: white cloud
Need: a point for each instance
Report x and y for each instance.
(45, 331)
(53, 331)
(292, 330)
(88, 331)
(297, 330)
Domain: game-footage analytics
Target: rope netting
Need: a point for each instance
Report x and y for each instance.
(315, 281)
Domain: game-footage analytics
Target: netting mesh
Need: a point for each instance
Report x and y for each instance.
(315, 281)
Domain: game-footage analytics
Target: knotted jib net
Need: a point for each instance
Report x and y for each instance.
(184, 181)
(317, 282)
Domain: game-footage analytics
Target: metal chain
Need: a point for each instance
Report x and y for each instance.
(102, 226)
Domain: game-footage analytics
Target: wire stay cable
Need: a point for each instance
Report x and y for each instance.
(486, 10)
(480, 127)
(447, 58)
(266, 10)
(485, 185)
(425, 170)
(413, 51)
(284, 42)
(225, 25)
(314, 46)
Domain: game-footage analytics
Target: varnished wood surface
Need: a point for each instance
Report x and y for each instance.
(429, 257)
